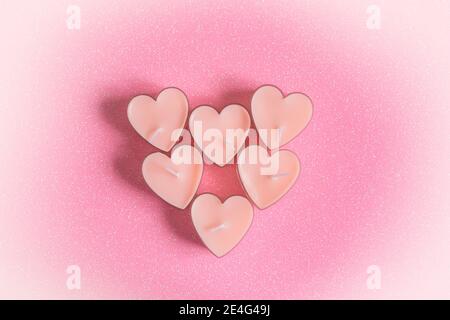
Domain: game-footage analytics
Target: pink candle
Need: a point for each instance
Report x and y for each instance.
(174, 180)
(220, 135)
(266, 178)
(221, 225)
(279, 119)
(159, 121)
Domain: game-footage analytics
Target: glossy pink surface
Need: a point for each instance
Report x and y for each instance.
(375, 171)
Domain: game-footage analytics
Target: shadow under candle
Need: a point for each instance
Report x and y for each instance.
(127, 163)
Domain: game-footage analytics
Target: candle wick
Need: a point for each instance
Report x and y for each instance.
(219, 227)
(279, 175)
(172, 172)
(154, 134)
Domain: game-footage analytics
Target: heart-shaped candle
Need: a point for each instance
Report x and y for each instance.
(221, 225)
(279, 119)
(174, 179)
(220, 135)
(159, 121)
(266, 178)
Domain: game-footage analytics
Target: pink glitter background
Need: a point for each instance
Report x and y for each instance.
(375, 184)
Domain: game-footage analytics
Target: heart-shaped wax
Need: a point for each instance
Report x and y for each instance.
(266, 178)
(174, 179)
(220, 135)
(159, 122)
(221, 225)
(279, 119)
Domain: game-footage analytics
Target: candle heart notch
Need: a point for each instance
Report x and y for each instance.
(266, 178)
(221, 226)
(159, 121)
(220, 135)
(175, 179)
(279, 119)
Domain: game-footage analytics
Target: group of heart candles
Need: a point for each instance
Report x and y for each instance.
(221, 225)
